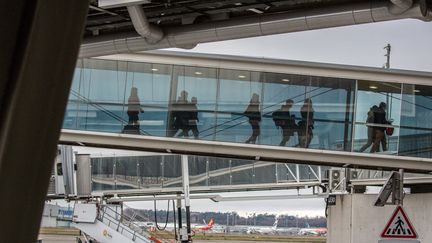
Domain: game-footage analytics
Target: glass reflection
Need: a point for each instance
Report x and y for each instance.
(193, 107)
(237, 90)
(282, 96)
(331, 114)
(416, 117)
(153, 82)
(250, 107)
(377, 116)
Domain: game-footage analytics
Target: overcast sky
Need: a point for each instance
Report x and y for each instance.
(411, 42)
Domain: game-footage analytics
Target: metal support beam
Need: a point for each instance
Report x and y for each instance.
(179, 215)
(208, 189)
(68, 169)
(394, 188)
(40, 42)
(245, 151)
(120, 3)
(217, 198)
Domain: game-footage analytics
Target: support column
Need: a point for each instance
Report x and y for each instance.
(83, 175)
(40, 42)
(179, 215)
(185, 174)
(68, 169)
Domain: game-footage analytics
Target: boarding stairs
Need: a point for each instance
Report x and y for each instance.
(107, 224)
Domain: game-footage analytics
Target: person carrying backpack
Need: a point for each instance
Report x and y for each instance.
(380, 118)
(370, 129)
(283, 119)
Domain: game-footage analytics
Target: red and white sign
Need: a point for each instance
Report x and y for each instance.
(399, 226)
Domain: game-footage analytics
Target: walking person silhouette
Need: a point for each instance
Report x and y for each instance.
(179, 115)
(306, 125)
(283, 119)
(133, 110)
(254, 115)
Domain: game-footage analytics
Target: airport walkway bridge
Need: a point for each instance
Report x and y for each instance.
(330, 106)
(158, 174)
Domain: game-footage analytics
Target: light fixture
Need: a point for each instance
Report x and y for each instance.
(155, 69)
(285, 80)
(255, 10)
(242, 76)
(417, 91)
(238, 4)
(198, 73)
(373, 87)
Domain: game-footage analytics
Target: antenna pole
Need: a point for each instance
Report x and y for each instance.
(388, 49)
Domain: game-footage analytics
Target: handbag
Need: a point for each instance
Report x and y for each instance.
(389, 131)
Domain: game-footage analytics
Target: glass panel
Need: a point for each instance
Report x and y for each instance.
(239, 106)
(286, 173)
(265, 172)
(242, 172)
(172, 171)
(74, 102)
(378, 108)
(102, 173)
(330, 113)
(103, 95)
(126, 173)
(146, 98)
(193, 110)
(283, 95)
(308, 173)
(78, 96)
(416, 117)
(198, 167)
(219, 172)
(150, 171)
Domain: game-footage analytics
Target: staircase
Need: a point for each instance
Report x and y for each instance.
(107, 224)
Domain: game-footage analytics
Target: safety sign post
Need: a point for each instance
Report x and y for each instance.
(399, 226)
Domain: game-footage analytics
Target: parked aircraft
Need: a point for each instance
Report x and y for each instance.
(205, 227)
(263, 230)
(313, 231)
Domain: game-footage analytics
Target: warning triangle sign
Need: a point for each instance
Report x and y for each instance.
(399, 226)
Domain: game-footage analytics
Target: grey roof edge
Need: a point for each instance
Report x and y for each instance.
(224, 57)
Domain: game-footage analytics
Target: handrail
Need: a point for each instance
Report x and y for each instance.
(106, 111)
(135, 234)
(131, 230)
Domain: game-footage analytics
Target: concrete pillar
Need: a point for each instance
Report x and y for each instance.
(354, 219)
(39, 46)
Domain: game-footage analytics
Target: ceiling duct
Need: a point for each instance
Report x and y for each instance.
(400, 6)
(151, 33)
(188, 35)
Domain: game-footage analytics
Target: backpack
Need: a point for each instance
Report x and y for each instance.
(291, 122)
(277, 118)
(371, 114)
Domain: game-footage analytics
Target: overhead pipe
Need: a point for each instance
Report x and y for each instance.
(151, 33)
(187, 35)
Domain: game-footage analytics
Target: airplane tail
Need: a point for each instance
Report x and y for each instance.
(307, 225)
(211, 223)
(275, 224)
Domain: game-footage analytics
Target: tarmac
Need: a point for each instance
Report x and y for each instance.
(72, 239)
